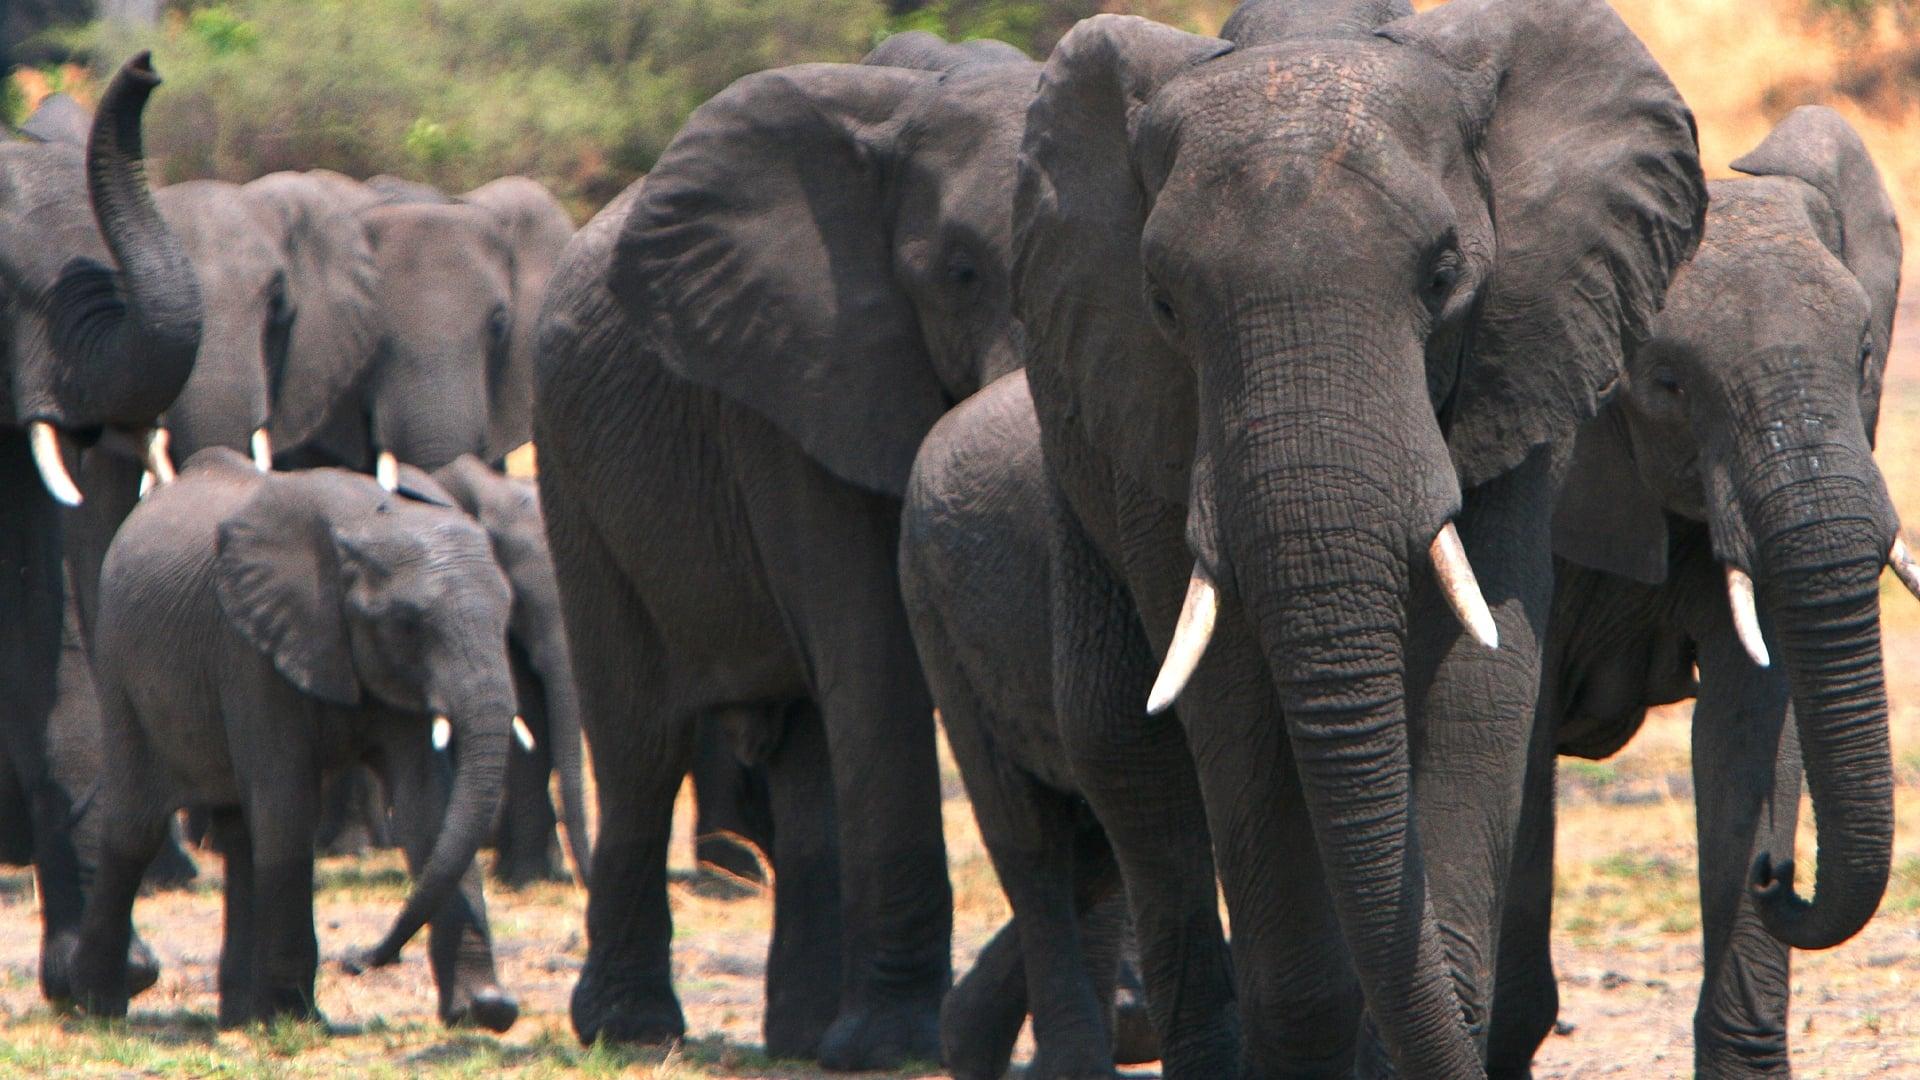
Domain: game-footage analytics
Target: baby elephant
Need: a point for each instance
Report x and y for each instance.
(257, 631)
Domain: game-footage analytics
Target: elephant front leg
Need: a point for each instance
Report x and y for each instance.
(286, 955)
(238, 935)
(460, 945)
(1746, 773)
(1526, 998)
(804, 957)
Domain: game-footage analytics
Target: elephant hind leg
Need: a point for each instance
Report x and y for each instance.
(228, 830)
(1526, 998)
(803, 960)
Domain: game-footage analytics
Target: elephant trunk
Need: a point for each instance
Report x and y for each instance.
(1329, 486)
(1822, 543)
(480, 740)
(551, 658)
(137, 361)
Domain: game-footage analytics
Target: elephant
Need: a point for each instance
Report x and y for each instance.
(255, 631)
(1724, 511)
(973, 573)
(102, 321)
(1312, 313)
(738, 358)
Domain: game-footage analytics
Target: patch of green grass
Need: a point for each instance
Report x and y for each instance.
(287, 1037)
(1597, 774)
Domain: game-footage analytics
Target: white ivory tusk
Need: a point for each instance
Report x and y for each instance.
(442, 732)
(386, 469)
(524, 733)
(1746, 618)
(1461, 587)
(159, 459)
(147, 483)
(1190, 637)
(44, 441)
(1904, 567)
(262, 451)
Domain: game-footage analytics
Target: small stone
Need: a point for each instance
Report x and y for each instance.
(1564, 1028)
(1613, 980)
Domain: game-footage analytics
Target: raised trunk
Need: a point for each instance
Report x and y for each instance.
(135, 361)
(1819, 578)
(479, 769)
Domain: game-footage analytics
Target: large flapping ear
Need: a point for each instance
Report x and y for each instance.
(1261, 22)
(758, 258)
(1817, 145)
(1078, 212)
(922, 51)
(332, 305)
(59, 119)
(537, 228)
(1596, 195)
(278, 579)
(1606, 517)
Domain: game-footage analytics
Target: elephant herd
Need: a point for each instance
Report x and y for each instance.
(1268, 452)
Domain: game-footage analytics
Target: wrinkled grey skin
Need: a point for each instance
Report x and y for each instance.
(973, 573)
(1276, 329)
(255, 632)
(811, 275)
(98, 354)
(1743, 437)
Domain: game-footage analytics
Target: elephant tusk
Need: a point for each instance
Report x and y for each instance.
(442, 732)
(1190, 637)
(1461, 587)
(44, 441)
(524, 733)
(386, 469)
(1746, 619)
(159, 459)
(147, 483)
(262, 451)
(1904, 567)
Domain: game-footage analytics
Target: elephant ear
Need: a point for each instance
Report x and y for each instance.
(922, 51)
(757, 257)
(59, 119)
(331, 299)
(1606, 517)
(1262, 22)
(1816, 145)
(1597, 196)
(537, 229)
(278, 579)
(1078, 212)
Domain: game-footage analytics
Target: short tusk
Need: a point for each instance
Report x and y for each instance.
(1746, 618)
(1904, 567)
(1190, 637)
(386, 469)
(1461, 587)
(44, 441)
(262, 451)
(524, 733)
(147, 483)
(159, 459)
(442, 732)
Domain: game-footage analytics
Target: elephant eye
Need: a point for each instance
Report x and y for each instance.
(1443, 273)
(498, 324)
(1669, 383)
(962, 273)
(1163, 311)
(1866, 359)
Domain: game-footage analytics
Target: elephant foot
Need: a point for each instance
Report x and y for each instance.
(978, 1027)
(886, 1036)
(1071, 1065)
(143, 968)
(288, 1003)
(737, 860)
(626, 1016)
(489, 1007)
(57, 956)
(1135, 1042)
(173, 868)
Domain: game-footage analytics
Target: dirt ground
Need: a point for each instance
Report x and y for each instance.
(1626, 935)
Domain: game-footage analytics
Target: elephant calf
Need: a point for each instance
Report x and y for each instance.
(255, 632)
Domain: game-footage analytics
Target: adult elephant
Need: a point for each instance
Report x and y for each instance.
(738, 359)
(1313, 312)
(1723, 512)
(102, 321)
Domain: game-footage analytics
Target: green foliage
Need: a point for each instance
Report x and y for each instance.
(579, 94)
(1030, 24)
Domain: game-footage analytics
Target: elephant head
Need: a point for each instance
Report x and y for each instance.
(509, 510)
(537, 229)
(827, 244)
(102, 308)
(1314, 285)
(358, 595)
(1751, 409)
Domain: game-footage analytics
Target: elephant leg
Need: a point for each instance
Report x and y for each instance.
(1746, 773)
(286, 956)
(132, 826)
(460, 944)
(526, 848)
(803, 960)
(353, 814)
(1526, 998)
(1137, 774)
(1134, 1040)
(239, 934)
(172, 868)
(733, 811)
(982, 1016)
(640, 757)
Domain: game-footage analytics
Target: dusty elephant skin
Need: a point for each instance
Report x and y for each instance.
(1742, 441)
(255, 631)
(92, 357)
(738, 359)
(1294, 300)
